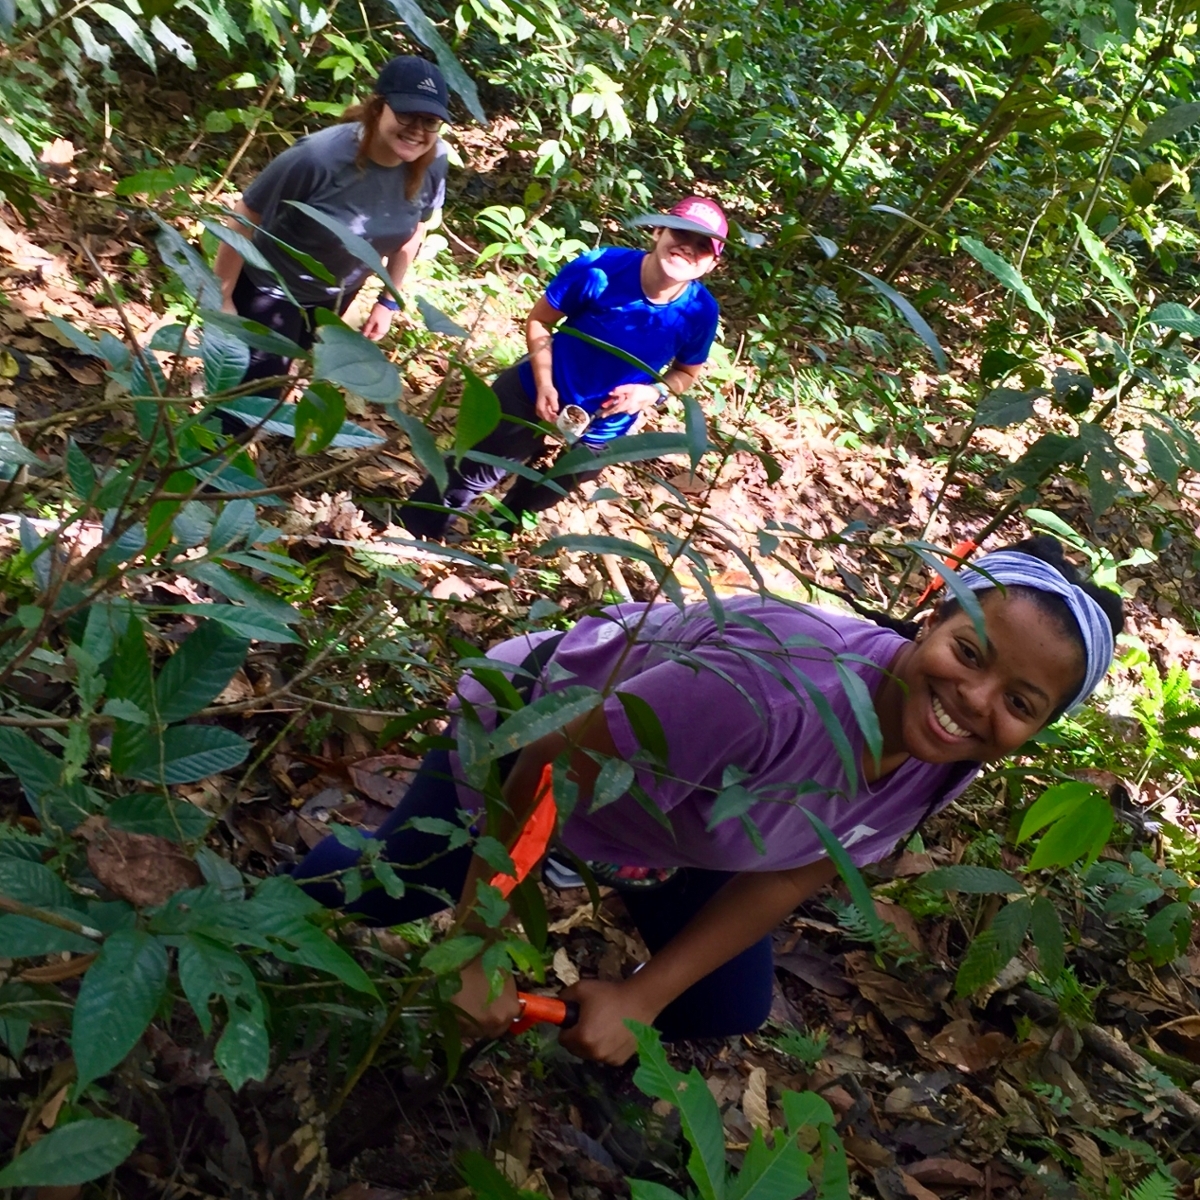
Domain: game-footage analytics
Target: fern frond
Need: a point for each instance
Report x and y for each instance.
(1159, 1186)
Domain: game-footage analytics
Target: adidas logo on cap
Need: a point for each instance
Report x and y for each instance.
(427, 85)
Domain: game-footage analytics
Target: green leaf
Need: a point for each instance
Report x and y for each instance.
(918, 323)
(1009, 926)
(451, 955)
(1006, 273)
(423, 29)
(424, 448)
(1103, 261)
(34, 884)
(80, 471)
(159, 815)
(251, 332)
(237, 587)
(613, 781)
(1176, 316)
(1053, 803)
(319, 417)
(770, 1173)
(697, 430)
(436, 321)
(73, 1153)
(645, 1189)
(1172, 123)
(860, 894)
(806, 1109)
(198, 671)
(980, 964)
(1047, 932)
(1082, 832)
(1103, 466)
(478, 413)
(598, 544)
(1161, 454)
(484, 1180)
(1003, 407)
(155, 181)
(545, 715)
(698, 1112)
(730, 803)
(863, 706)
(968, 601)
(225, 359)
(835, 1170)
(118, 996)
(189, 753)
(131, 680)
(244, 1050)
(646, 726)
(974, 881)
(128, 29)
(634, 447)
(343, 356)
(38, 770)
(25, 937)
(242, 621)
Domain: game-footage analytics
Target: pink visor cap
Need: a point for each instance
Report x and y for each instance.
(696, 214)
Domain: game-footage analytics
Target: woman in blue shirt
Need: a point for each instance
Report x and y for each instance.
(649, 304)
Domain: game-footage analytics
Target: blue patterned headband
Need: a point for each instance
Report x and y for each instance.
(1014, 569)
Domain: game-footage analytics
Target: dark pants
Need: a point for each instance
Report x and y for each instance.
(735, 998)
(298, 324)
(510, 440)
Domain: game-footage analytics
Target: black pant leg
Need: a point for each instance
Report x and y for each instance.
(276, 314)
(526, 495)
(733, 999)
(510, 440)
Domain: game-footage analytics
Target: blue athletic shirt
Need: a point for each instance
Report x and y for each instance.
(601, 294)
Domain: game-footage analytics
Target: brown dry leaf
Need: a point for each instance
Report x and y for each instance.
(903, 920)
(52, 1107)
(1017, 1109)
(909, 864)
(138, 867)
(961, 1045)
(916, 1189)
(383, 789)
(946, 1172)
(893, 997)
(754, 1101)
(59, 153)
(867, 1152)
(57, 972)
(564, 968)
(67, 1192)
(1089, 1156)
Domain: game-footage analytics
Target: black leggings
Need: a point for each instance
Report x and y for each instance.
(510, 440)
(733, 999)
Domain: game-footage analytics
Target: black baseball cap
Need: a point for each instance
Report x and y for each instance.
(414, 85)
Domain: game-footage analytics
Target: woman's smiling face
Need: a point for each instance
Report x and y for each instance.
(964, 701)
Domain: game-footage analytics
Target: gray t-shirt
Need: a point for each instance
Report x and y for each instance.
(319, 170)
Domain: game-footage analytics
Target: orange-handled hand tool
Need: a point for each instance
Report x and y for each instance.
(955, 559)
(536, 1010)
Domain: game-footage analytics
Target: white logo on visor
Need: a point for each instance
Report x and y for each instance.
(427, 85)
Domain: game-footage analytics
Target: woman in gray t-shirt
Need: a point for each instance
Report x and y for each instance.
(381, 173)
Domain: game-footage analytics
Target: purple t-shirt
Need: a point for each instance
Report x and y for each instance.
(732, 701)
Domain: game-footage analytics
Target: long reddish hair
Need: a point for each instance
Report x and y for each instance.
(367, 115)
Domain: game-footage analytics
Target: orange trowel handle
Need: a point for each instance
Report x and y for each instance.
(954, 560)
(536, 1010)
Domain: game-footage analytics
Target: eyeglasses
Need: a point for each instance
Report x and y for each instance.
(426, 121)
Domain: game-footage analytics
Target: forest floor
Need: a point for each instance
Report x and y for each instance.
(937, 1096)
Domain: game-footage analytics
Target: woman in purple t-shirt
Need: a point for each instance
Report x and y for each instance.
(756, 705)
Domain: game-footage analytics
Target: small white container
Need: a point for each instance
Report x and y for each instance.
(572, 421)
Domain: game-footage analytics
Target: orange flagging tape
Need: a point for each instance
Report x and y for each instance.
(954, 560)
(534, 839)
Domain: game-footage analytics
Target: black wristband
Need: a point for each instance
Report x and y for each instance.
(388, 301)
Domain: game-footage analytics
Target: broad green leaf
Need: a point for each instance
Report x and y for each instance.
(198, 671)
(129, 30)
(1081, 833)
(38, 770)
(478, 413)
(545, 715)
(485, 1181)
(272, 417)
(193, 272)
(918, 323)
(242, 621)
(645, 1189)
(159, 815)
(634, 447)
(424, 30)
(835, 1170)
(253, 333)
(1104, 262)
(612, 783)
(237, 520)
(236, 587)
(974, 881)
(698, 1112)
(1009, 926)
(1162, 456)
(863, 706)
(801, 1109)
(225, 359)
(1176, 316)
(436, 321)
(25, 937)
(250, 253)
(860, 894)
(1047, 932)
(979, 965)
(730, 803)
(131, 680)
(78, 338)
(188, 753)
(118, 996)
(1103, 466)
(343, 356)
(1172, 123)
(80, 471)
(170, 41)
(424, 448)
(646, 726)
(73, 1153)
(1003, 407)
(770, 1173)
(1006, 273)
(1053, 803)
(358, 246)
(34, 884)
(598, 544)
(451, 955)
(319, 416)
(244, 1049)
(967, 599)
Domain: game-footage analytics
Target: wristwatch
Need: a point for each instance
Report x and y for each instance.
(664, 392)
